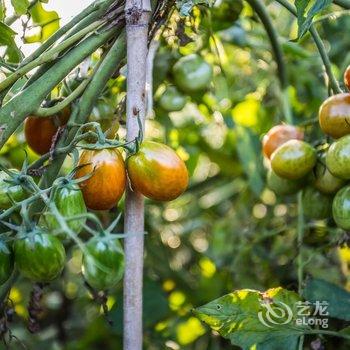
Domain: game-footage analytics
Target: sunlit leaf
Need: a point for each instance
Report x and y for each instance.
(45, 23)
(250, 318)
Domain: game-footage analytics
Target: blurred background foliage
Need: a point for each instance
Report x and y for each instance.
(228, 231)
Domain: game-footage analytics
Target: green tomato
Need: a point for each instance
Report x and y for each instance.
(69, 202)
(39, 256)
(323, 180)
(316, 205)
(341, 208)
(281, 186)
(6, 189)
(103, 262)
(172, 100)
(293, 160)
(192, 73)
(6, 262)
(338, 158)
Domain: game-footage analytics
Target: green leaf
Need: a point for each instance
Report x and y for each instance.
(250, 318)
(20, 6)
(306, 11)
(317, 290)
(185, 6)
(249, 155)
(6, 35)
(45, 24)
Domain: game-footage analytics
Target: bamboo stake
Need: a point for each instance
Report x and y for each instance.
(137, 15)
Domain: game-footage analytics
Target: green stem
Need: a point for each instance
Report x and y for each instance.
(47, 56)
(321, 48)
(266, 20)
(45, 112)
(29, 100)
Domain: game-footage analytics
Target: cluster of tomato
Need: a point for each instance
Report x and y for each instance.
(191, 74)
(324, 172)
(155, 171)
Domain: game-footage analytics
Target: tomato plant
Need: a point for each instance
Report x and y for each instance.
(10, 190)
(157, 172)
(278, 135)
(103, 262)
(341, 208)
(172, 100)
(105, 187)
(334, 114)
(293, 160)
(39, 256)
(192, 73)
(347, 78)
(40, 132)
(69, 201)
(338, 156)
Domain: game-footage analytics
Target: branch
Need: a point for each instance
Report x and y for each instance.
(137, 15)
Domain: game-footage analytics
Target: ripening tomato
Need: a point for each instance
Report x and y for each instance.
(278, 135)
(293, 160)
(334, 115)
(323, 180)
(341, 208)
(316, 205)
(347, 78)
(103, 190)
(39, 132)
(6, 262)
(40, 256)
(338, 158)
(69, 201)
(103, 262)
(157, 172)
(283, 187)
(192, 73)
(7, 190)
(172, 100)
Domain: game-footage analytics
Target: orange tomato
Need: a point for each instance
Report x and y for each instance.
(103, 190)
(39, 132)
(347, 77)
(278, 135)
(157, 172)
(334, 115)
